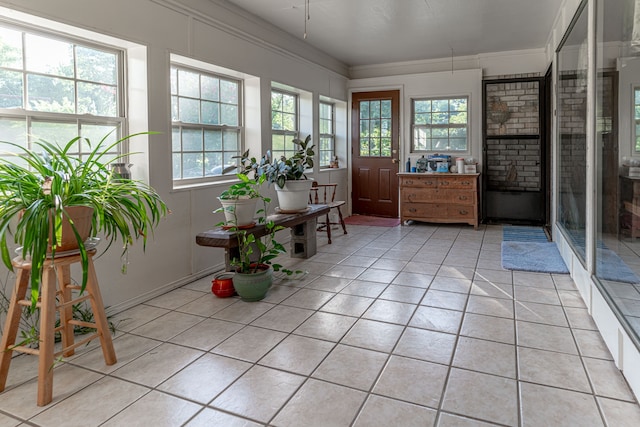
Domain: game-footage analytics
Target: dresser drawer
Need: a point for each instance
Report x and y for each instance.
(457, 182)
(429, 181)
(424, 210)
(423, 195)
(461, 212)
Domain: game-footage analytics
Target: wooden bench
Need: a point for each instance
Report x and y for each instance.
(303, 234)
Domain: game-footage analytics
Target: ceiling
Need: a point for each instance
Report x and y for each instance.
(365, 32)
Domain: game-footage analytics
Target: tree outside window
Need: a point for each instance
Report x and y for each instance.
(55, 89)
(440, 124)
(206, 123)
(327, 133)
(284, 123)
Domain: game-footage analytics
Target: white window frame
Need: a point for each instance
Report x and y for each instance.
(636, 119)
(429, 127)
(76, 120)
(179, 127)
(331, 136)
(286, 134)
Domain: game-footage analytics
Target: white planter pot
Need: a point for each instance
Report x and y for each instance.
(240, 210)
(294, 196)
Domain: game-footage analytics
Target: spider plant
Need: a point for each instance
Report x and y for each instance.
(38, 185)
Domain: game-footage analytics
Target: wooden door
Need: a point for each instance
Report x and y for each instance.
(375, 138)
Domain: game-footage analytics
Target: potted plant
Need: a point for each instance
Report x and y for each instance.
(44, 188)
(291, 183)
(254, 267)
(239, 202)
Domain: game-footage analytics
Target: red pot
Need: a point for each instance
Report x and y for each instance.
(222, 285)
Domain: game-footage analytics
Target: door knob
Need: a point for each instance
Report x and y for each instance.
(395, 160)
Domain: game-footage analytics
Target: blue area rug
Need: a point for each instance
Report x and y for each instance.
(609, 266)
(518, 233)
(542, 257)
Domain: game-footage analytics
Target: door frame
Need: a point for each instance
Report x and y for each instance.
(403, 149)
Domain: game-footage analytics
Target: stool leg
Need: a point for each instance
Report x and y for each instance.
(66, 314)
(328, 225)
(12, 324)
(344, 227)
(47, 335)
(99, 315)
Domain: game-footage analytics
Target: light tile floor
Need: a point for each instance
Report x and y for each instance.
(407, 326)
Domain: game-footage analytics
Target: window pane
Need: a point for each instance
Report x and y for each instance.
(11, 42)
(364, 128)
(385, 147)
(96, 66)
(458, 144)
(375, 109)
(231, 141)
(174, 81)
(192, 165)
(48, 56)
(440, 105)
(175, 139)
(188, 84)
(458, 118)
(374, 147)
(58, 133)
(228, 92)
(99, 100)
(191, 140)
(189, 110)
(277, 143)
(50, 94)
(10, 89)
(288, 104)
(213, 140)
(422, 106)
(440, 118)
(325, 126)
(229, 114)
(458, 104)
(364, 109)
(210, 88)
(177, 165)
(289, 122)
(213, 164)
(457, 132)
(364, 146)
(439, 132)
(210, 113)
(13, 131)
(385, 111)
(385, 126)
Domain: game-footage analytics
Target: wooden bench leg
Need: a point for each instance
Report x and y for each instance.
(12, 324)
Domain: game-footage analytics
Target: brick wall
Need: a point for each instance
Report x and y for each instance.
(523, 154)
(521, 101)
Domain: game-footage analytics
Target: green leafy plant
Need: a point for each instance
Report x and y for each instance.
(255, 251)
(281, 170)
(38, 185)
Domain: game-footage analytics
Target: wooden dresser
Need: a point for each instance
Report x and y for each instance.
(439, 197)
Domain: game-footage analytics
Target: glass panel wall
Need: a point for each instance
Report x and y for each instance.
(617, 267)
(571, 98)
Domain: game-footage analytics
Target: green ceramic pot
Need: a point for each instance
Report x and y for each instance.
(253, 287)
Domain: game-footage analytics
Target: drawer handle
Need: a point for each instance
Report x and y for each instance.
(463, 212)
(465, 182)
(462, 197)
(428, 182)
(409, 181)
(412, 210)
(445, 182)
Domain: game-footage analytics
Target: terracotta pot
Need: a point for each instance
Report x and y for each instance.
(81, 217)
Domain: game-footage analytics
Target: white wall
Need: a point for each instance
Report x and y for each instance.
(199, 29)
(444, 83)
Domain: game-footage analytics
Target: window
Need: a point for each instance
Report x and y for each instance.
(56, 88)
(327, 133)
(636, 116)
(206, 123)
(440, 124)
(284, 123)
(375, 128)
